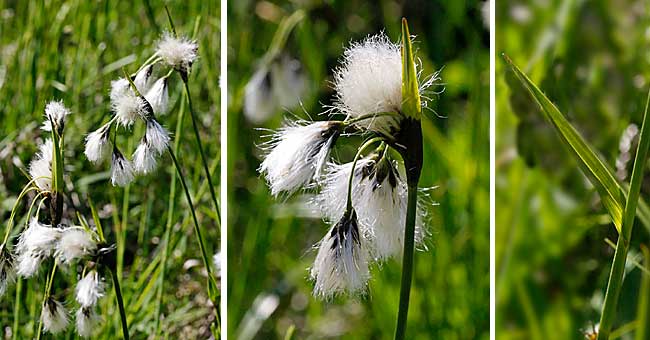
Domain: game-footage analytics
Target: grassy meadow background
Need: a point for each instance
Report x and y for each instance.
(269, 240)
(591, 58)
(71, 50)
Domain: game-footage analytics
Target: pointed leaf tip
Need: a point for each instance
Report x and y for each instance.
(411, 106)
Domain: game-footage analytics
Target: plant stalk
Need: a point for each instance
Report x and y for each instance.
(206, 168)
(206, 262)
(120, 304)
(409, 146)
(617, 272)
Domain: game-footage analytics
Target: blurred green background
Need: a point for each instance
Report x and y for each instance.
(552, 261)
(71, 50)
(269, 240)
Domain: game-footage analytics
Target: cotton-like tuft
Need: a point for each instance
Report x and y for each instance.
(75, 243)
(121, 169)
(379, 196)
(158, 96)
(87, 321)
(98, 144)
(54, 316)
(298, 152)
(7, 271)
(126, 105)
(157, 136)
(259, 101)
(143, 79)
(341, 265)
(89, 289)
(369, 81)
(40, 169)
(35, 244)
(178, 52)
(55, 112)
(144, 159)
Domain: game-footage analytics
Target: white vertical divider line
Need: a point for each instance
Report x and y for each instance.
(492, 173)
(223, 82)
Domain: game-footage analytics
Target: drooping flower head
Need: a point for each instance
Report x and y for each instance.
(87, 321)
(7, 271)
(121, 169)
(54, 316)
(341, 265)
(297, 154)
(40, 169)
(125, 103)
(35, 244)
(158, 96)
(177, 52)
(98, 144)
(89, 289)
(143, 79)
(74, 243)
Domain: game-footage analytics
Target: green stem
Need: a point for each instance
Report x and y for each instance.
(170, 221)
(407, 261)
(617, 272)
(120, 304)
(48, 290)
(201, 152)
(19, 288)
(197, 229)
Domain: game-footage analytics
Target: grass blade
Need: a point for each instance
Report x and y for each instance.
(622, 245)
(643, 310)
(612, 193)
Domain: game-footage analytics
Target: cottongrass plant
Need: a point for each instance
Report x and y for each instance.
(371, 203)
(138, 98)
(52, 242)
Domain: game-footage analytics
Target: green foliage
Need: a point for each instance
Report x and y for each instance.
(71, 50)
(552, 221)
(269, 240)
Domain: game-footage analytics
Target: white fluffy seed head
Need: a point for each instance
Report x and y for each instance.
(40, 168)
(98, 144)
(369, 80)
(297, 153)
(157, 136)
(87, 321)
(143, 79)
(259, 101)
(126, 105)
(75, 243)
(121, 169)
(178, 52)
(54, 316)
(341, 265)
(55, 112)
(36, 243)
(144, 159)
(379, 196)
(7, 271)
(89, 289)
(158, 96)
